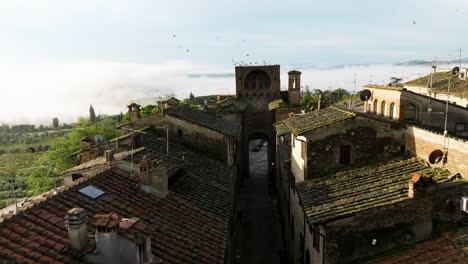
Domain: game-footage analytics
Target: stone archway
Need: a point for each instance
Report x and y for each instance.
(259, 147)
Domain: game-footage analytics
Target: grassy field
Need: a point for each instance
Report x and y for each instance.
(11, 169)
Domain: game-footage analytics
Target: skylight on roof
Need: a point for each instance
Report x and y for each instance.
(92, 191)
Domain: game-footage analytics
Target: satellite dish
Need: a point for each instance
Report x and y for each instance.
(365, 95)
(455, 70)
(436, 156)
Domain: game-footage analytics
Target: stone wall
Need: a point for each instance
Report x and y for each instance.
(202, 140)
(370, 140)
(421, 143)
(441, 96)
(381, 95)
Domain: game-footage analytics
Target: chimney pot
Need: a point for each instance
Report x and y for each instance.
(109, 155)
(76, 221)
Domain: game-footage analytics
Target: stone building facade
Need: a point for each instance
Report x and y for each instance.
(348, 187)
(397, 103)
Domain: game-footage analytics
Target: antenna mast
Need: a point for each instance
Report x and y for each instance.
(460, 57)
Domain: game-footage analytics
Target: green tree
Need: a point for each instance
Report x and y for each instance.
(191, 98)
(306, 97)
(55, 122)
(395, 81)
(92, 115)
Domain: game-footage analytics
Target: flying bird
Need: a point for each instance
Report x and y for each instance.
(414, 22)
(173, 36)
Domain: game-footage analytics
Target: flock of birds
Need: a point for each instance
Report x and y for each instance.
(241, 62)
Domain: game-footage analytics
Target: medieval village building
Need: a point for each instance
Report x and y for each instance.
(350, 184)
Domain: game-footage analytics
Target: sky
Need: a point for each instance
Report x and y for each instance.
(58, 57)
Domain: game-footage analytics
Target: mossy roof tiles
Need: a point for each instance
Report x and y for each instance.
(383, 87)
(440, 83)
(340, 194)
(302, 123)
(195, 116)
(281, 129)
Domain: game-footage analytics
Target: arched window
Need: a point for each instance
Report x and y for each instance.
(392, 111)
(376, 106)
(383, 109)
(409, 112)
(257, 79)
(369, 105)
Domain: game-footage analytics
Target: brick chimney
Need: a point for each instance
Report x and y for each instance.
(114, 244)
(87, 142)
(76, 221)
(153, 177)
(109, 154)
(420, 185)
(134, 112)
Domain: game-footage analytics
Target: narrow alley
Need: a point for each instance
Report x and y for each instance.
(260, 232)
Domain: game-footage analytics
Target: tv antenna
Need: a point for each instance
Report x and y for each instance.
(455, 71)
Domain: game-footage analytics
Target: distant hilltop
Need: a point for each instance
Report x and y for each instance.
(429, 62)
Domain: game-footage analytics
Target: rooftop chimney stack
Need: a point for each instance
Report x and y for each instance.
(159, 178)
(76, 221)
(153, 177)
(134, 112)
(109, 155)
(87, 142)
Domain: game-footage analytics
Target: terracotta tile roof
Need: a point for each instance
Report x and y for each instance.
(450, 248)
(302, 123)
(334, 196)
(201, 118)
(189, 225)
(384, 87)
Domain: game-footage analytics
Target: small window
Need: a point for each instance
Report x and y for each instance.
(92, 192)
(303, 149)
(345, 154)
(369, 105)
(409, 112)
(376, 106)
(179, 132)
(316, 238)
(461, 127)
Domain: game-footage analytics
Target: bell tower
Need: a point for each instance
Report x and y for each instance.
(294, 87)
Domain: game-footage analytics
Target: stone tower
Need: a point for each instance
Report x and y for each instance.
(294, 87)
(258, 81)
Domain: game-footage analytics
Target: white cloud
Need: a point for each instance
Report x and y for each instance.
(37, 92)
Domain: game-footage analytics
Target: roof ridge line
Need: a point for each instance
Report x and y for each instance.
(342, 110)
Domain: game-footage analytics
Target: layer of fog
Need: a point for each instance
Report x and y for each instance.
(36, 92)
